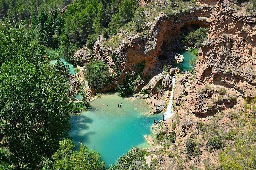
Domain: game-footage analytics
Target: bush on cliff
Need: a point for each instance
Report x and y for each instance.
(241, 154)
(195, 38)
(97, 74)
(134, 159)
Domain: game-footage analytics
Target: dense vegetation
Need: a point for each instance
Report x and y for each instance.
(195, 38)
(67, 24)
(66, 158)
(35, 105)
(97, 75)
(34, 102)
(241, 153)
(34, 110)
(134, 159)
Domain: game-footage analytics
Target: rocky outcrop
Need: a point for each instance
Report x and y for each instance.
(164, 32)
(82, 56)
(179, 58)
(228, 57)
(227, 61)
(206, 103)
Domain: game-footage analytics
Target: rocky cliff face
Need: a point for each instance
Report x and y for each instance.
(163, 35)
(206, 102)
(228, 58)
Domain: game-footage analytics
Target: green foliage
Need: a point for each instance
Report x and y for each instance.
(134, 159)
(241, 154)
(16, 41)
(141, 67)
(165, 69)
(50, 25)
(194, 51)
(66, 158)
(5, 162)
(124, 15)
(195, 38)
(140, 20)
(127, 88)
(171, 136)
(34, 109)
(25, 10)
(73, 26)
(222, 91)
(160, 136)
(83, 18)
(215, 143)
(192, 147)
(97, 74)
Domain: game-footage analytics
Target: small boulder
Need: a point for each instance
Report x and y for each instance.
(179, 58)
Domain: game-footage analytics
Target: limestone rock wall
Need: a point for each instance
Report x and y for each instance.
(228, 57)
(164, 33)
(225, 77)
(227, 61)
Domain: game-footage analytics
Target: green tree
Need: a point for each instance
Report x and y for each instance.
(127, 87)
(82, 19)
(34, 109)
(16, 41)
(5, 162)
(134, 159)
(192, 148)
(17, 10)
(124, 15)
(196, 38)
(215, 143)
(50, 26)
(97, 74)
(66, 158)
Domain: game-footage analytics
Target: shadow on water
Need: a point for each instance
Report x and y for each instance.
(78, 123)
(83, 138)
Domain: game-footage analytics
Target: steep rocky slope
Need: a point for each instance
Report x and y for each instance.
(126, 51)
(164, 32)
(209, 103)
(227, 61)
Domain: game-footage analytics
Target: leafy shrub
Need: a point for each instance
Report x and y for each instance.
(172, 137)
(134, 159)
(241, 154)
(222, 91)
(192, 148)
(127, 88)
(215, 143)
(160, 136)
(97, 74)
(66, 158)
(195, 38)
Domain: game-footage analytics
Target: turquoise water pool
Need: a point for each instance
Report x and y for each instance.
(186, 65)
(112, 130)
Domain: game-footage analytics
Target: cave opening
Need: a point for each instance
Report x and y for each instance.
(173, 42)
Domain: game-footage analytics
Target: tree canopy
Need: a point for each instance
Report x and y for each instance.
(66, 158)
(34, 108)
(97, 74)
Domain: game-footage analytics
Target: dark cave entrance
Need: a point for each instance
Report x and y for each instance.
(173, 41)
